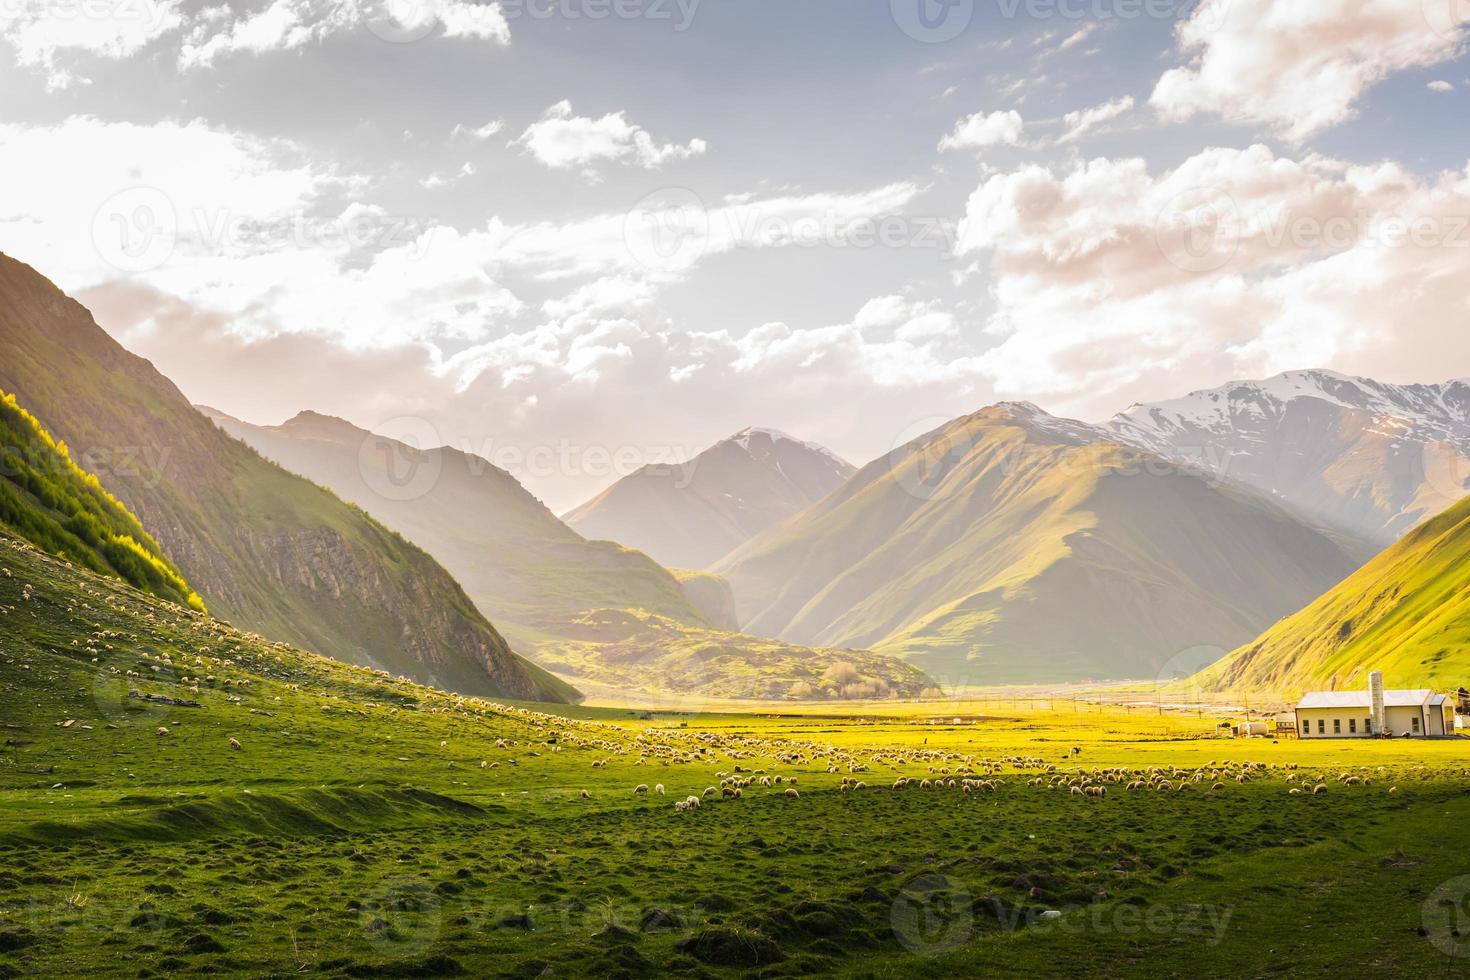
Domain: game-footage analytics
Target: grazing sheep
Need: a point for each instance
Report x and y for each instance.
(711, 791)
(1319, 788)
(1294, 791)
(659, 789)
(162, 730)
(792, 793)
(640, 789)
(234, 743)
(586, 795)
(1392, 790)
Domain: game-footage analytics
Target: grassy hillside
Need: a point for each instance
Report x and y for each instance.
(690, 515)
(632, 649)
(369, 827)
(266, 549)
(1406, 613)
(524, 568)
(1010, 547)
(591, 610)
(56, 505)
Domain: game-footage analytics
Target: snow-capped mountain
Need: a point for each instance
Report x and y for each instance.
(1367, 458)
(690, 515)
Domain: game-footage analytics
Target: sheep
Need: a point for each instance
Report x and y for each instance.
(791, 792)
(1319, 788)
(234, 742)
(640, 789)
(1294, 791)
(1392, 790)
(162, 730)
(659, 788)
(586, 795)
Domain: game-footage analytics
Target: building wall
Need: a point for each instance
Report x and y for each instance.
(1354, 722)
(1333, 723)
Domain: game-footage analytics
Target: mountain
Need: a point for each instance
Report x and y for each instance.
(267, 550)
(591, 610)
(1406, 613)
(524, 568)
(1372, 460)
(57, 506)
(689, 515)
(1012, 546)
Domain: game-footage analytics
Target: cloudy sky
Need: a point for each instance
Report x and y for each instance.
(572, 235)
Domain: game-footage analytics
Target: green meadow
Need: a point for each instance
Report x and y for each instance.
(178, 797)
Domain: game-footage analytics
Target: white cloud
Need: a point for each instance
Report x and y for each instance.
(981, 130)
(1083, 121)
(1298, 67)
(285, 25)
(477, 132)
(1441, 86)
(1235, 263)
(563, 141)
(41, 30)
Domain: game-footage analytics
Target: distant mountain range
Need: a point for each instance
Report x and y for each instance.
(692, 514)
(524, 568)
(1013, 546)
(1369, 459)
(1406, 613)
(267, 550)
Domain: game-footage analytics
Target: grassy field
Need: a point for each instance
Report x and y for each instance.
(366, 826)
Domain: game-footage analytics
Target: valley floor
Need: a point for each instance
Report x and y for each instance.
(369, 827)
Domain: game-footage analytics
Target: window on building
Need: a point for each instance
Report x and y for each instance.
(1416, 724)
(1367, 726)
(1352, 726)
(1321, 726)
(1337, 726)
(1306, 726)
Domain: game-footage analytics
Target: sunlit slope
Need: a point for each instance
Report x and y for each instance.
(266, 549)
(1406, 613)
(691, 514)
(521, 565)
(1012, 546)
(63, 510)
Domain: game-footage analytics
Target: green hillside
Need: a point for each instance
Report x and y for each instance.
(1013, 547)
(266, 550)
(524, 568)
(179, 798)
(1406, 613)
(59, 507)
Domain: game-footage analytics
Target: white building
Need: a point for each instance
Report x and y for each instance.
(1375, 711)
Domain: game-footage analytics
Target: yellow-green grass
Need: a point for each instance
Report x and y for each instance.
(354, 833)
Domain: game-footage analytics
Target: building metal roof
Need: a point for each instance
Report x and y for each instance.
(1361, 699)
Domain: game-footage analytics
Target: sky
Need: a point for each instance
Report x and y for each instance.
(574, 236)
